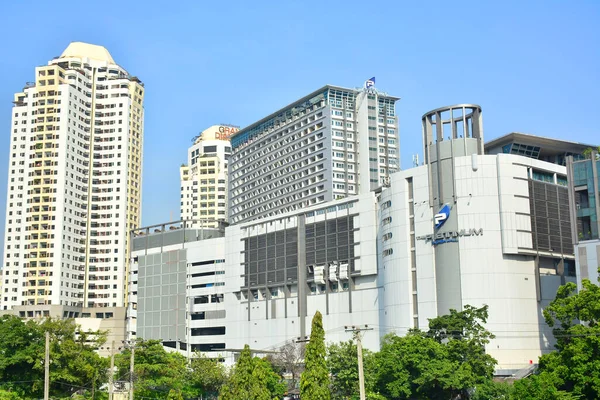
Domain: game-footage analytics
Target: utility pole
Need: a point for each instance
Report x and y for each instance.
(131, 364)
(357, 332)
(111, 384)
(47, 368)
(130, 344)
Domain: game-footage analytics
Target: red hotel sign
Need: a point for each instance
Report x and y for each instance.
(225, 132)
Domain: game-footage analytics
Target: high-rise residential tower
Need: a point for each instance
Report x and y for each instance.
(74, 182)
(330, 144)
(204, 178)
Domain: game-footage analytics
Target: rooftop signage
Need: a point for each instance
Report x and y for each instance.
(217, 132)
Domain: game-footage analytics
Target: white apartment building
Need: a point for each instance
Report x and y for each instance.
(330, 144)
(74, 182)
(204, 179)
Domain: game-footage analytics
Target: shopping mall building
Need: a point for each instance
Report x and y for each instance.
(473, 225)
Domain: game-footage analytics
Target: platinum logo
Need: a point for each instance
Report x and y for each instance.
(442, 216)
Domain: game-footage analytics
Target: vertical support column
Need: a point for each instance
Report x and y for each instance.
(439, 129)
(538, 283)
(572, 205)
(302, 306)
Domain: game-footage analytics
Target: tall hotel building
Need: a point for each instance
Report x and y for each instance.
(74, 184)
(328, 145)
(204, 178)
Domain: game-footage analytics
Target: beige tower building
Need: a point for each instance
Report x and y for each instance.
(74, 185)
(204, 179)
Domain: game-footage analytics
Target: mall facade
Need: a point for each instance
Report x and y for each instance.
(470, 226)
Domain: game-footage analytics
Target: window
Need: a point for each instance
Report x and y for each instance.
(543, 176)
(388, 252)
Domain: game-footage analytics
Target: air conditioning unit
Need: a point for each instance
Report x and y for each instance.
(343, 271)
(333, 272)
(320, 274)
(386, 181)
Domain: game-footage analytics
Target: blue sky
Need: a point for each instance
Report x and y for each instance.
(532, 65)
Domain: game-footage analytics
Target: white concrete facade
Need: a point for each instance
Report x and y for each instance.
(497, 265)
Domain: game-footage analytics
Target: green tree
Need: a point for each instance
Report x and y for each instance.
(252, 378)
(175, 395)
(587, 153)
(447, 362)
(75, 366)
(156, 371)
(465, 338)
(207, 374)
(492, 390)
(21, 349)
(342, 363)
(574, 317)
(6, 395)
(541, 387)
(403, 363)
(264, 372)
(314, 382)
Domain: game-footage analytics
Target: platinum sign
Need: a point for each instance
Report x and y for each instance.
(449, 237)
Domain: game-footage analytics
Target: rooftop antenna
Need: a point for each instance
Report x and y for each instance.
(415, 160)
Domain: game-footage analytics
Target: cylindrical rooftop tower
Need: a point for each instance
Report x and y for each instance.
(449, 132)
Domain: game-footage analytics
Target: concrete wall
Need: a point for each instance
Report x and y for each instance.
(587, 256)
